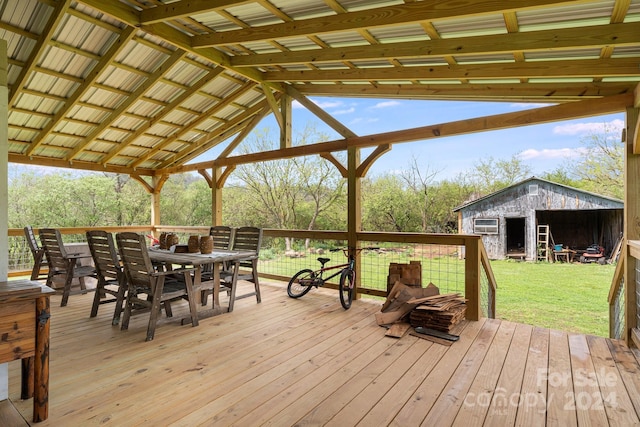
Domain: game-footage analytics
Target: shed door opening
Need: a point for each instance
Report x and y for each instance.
(516, 247)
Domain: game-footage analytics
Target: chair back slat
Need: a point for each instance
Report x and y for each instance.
(31, 239)
(103, 251)
(52, 243)
(222, 236)
(247, 239)
(135, 258)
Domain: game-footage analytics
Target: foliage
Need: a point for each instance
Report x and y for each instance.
(491, 174)
(302, 193)
(600, 168)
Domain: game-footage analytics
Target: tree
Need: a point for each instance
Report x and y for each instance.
(290, 193)
(419, 181)
(490, 175)
(386, 205)
(600, 168)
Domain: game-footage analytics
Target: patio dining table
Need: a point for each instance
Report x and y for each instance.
(199, 261)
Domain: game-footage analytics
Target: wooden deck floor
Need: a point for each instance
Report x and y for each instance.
(308, 362)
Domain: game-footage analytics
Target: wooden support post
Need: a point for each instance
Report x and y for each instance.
(472, 278)
(216, 196)
(631, 222)
(354, 216)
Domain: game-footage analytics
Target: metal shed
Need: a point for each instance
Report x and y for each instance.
(513, 221)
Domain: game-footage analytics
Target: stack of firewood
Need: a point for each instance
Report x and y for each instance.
(439, 312)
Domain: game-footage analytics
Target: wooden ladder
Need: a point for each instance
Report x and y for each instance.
(543, 243)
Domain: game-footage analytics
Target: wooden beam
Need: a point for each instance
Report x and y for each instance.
(237, 124)
(524, 92)
(368, 162)
(204, 116)
(77, 165)
(286, 112)
(245, 132)
(47, 34)
(168, 109)
(180, 9)
(621, 67)
(332, 159)
(224, 175)
(587, 108)
(123, 106)
(273, 103)
(122, 40)
(530, 41)
(320, 113)
(631, 231)
(415, 12)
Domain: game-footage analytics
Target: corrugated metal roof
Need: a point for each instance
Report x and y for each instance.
(109, 85)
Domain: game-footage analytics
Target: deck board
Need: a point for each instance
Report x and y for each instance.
(309, 362)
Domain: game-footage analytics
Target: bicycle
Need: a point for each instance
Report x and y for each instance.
(302, 282)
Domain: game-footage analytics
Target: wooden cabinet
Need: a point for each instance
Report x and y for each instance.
(24, 334)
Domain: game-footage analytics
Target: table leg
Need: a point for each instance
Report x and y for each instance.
(216, 285)
(41, 362)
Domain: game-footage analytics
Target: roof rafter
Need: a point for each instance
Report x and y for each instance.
(547, 40)
(623, 67)
(427, 10)
(183, 8)
(91, 78)
(134, 97)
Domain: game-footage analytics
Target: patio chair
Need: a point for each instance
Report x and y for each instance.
(158, 287)
(63, 265)
(111, 278)
(39, 258)
(222, 236)
(244, 239)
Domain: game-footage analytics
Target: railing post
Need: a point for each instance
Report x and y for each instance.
(631, 219)
(472, 278)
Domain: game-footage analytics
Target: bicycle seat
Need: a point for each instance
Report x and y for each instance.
(323, 261)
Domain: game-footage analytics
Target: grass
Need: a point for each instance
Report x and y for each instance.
(569, 297)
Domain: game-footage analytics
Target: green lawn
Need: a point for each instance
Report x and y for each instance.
(570, 297)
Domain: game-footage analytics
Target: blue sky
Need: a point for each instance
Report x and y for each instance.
(542, 147)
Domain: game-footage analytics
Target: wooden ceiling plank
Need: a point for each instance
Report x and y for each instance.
(134, 97)
(427, 10)
(17, 30)
(91, 78)
(623, 67)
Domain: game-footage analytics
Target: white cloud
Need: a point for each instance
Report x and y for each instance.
(364, 120)
(386, 104)
(548, 153)
(322, 104)
(588, 127)
(345, 111)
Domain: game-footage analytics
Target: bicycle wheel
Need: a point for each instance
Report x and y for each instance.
(295, 289)
(347, 287)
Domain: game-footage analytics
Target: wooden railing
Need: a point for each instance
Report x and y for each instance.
(616, 298)
(453, 262)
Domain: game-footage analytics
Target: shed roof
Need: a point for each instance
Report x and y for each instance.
(146, 85)
(536, 179)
